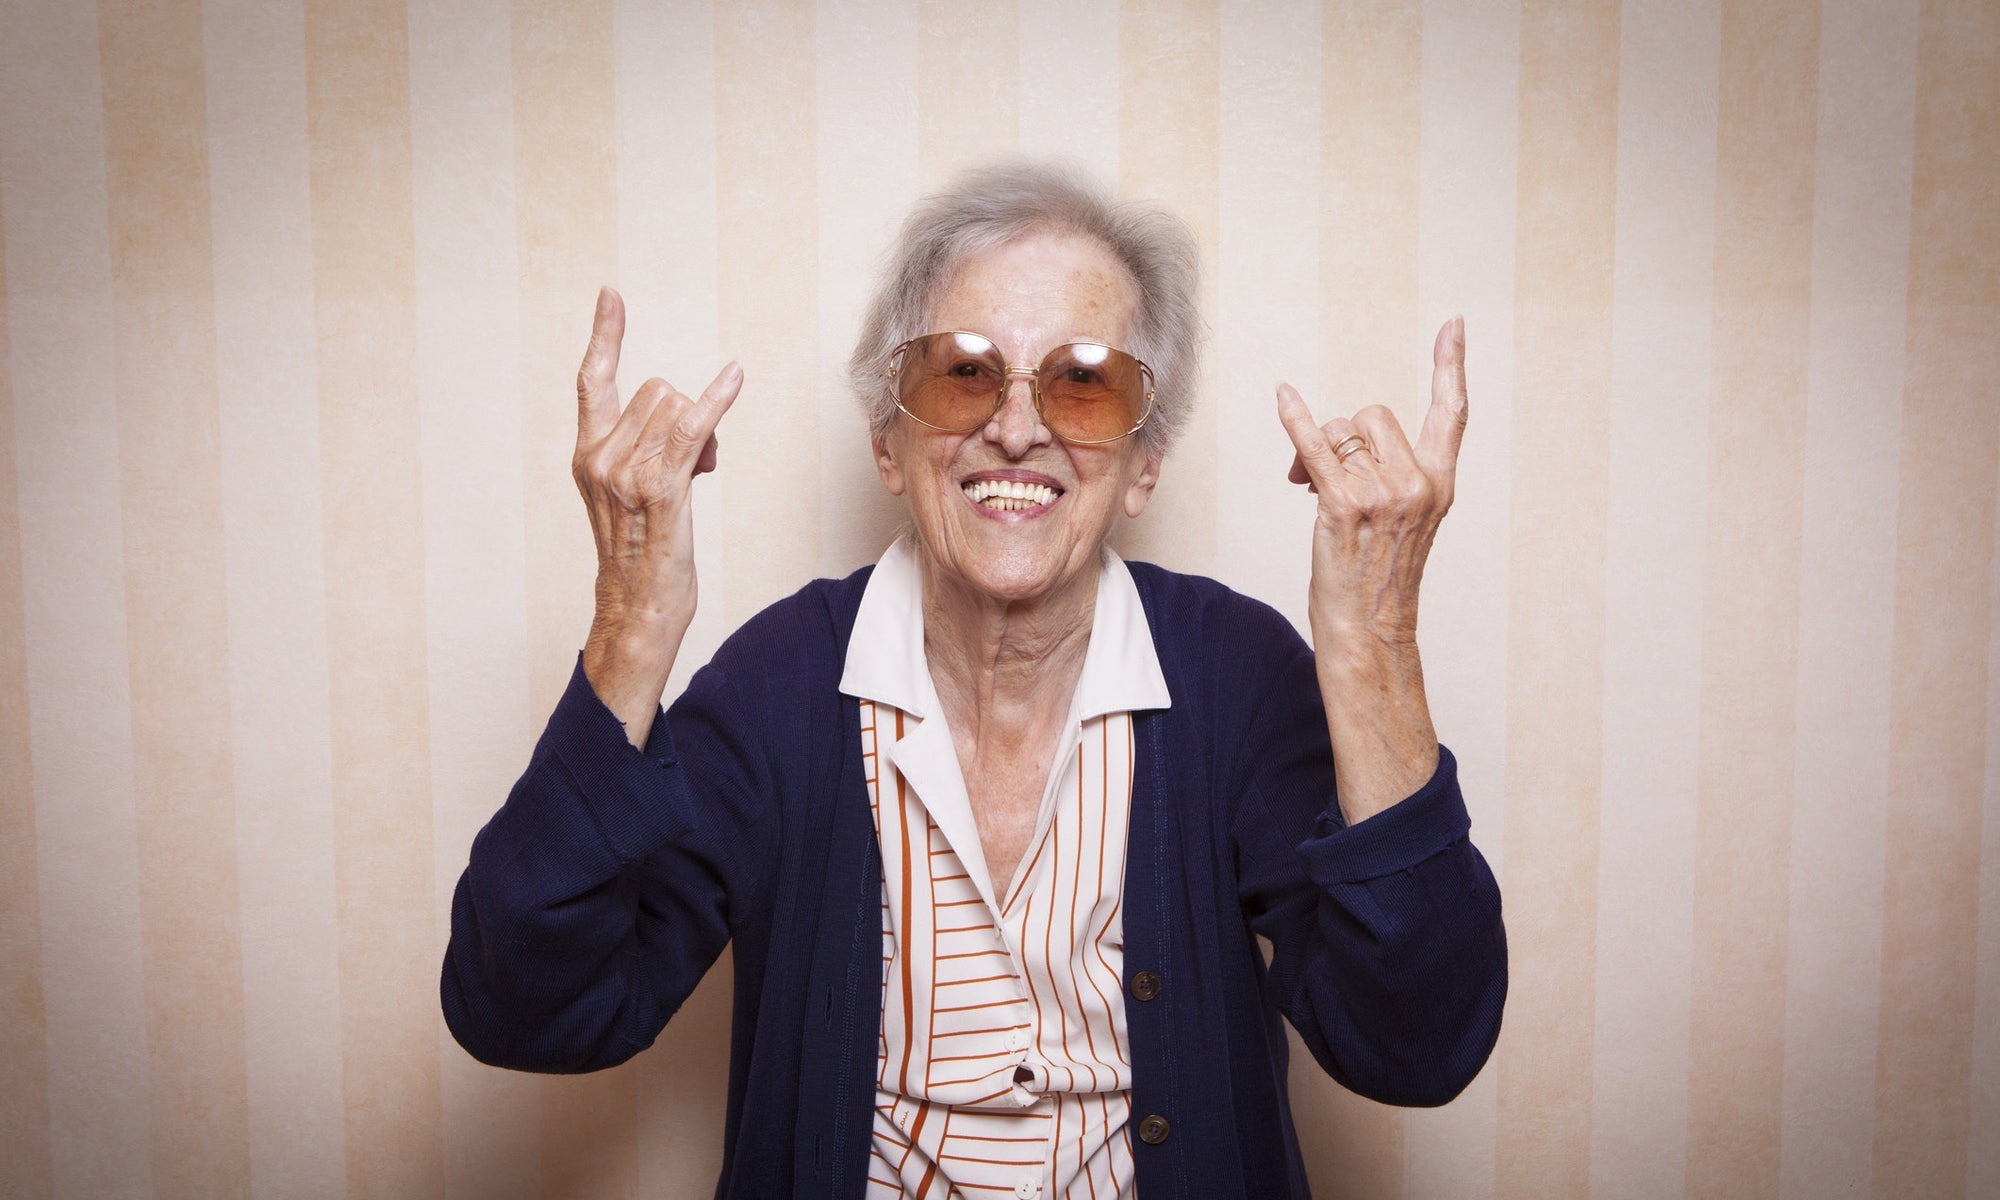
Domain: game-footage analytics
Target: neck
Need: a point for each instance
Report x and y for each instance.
(1011, 662)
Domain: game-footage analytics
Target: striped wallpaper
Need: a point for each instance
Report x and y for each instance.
(291, 567)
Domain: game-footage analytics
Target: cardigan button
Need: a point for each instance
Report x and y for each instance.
(1145, 985)
(1153, 1130)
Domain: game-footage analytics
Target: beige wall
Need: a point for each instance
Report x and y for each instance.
(291, 567)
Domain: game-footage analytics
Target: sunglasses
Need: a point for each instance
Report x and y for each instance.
(1086, 393)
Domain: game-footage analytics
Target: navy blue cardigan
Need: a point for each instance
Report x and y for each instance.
(600, 893)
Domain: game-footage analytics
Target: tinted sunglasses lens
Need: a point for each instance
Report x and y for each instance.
(950, 381)
(1092, 393)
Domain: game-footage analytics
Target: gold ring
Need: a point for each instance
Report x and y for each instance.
(1343, 450)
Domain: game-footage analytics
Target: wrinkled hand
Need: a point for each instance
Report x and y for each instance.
(1380, 500)
(636, 469)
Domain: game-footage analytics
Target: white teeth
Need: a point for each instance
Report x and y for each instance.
(1009, 495)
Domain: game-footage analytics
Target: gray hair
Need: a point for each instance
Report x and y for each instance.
(997, 205)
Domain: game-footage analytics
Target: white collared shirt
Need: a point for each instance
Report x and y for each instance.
(1004, 1065)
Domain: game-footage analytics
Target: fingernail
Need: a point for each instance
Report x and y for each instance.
(1458, 330)
(733, 372)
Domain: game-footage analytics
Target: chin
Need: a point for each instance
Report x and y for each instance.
(1018, 574)
(1007, 557)
(1012, 588)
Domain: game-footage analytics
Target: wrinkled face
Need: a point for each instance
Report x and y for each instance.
(1008, 509)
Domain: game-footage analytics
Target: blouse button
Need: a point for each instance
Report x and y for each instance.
(1153, 1130)
(1145, 985)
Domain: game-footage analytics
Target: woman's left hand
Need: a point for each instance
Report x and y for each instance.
(1380, 501)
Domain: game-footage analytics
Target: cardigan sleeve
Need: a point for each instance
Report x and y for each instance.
(600, 893)
(1389, 956)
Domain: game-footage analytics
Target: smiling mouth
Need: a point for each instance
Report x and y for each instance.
(1010, 495)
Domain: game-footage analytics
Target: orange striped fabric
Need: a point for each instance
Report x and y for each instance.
(1003, 1062)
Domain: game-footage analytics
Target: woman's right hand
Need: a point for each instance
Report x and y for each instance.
(635, 467)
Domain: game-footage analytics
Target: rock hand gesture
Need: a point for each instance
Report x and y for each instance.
(1380, 503)
(635, 467)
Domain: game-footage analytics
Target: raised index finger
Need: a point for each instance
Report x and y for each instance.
(597, 378)
(1314, 456)
(1444, 424)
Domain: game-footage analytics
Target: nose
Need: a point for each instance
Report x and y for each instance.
(1016, 427)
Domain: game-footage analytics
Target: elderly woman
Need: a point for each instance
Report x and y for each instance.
(994, 827)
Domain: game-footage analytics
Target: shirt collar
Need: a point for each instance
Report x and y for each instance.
(885, 653)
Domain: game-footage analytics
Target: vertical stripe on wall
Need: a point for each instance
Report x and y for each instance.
(62, 357)
(1068, 80)
(275, 567)
(1168, 64)
(1267, 254)
(666, 249)
(1756, 440)
(24, 1057)
(1371, 118)
(1468, 169)
(566, 210)
(869, 172)
(566, 213)
(1563, 278)
(169, 467)
(468, 384)
(967, 111)
(1943, 591)
(767, 201)
(1662, 326)
(357, 88)
(170, 495)
(1847, 581)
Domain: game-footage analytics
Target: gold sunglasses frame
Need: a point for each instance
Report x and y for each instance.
(1008, 371)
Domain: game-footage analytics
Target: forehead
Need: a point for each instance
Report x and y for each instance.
(1042, 290)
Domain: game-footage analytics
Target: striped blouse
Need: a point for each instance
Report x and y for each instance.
(1003, 1065)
